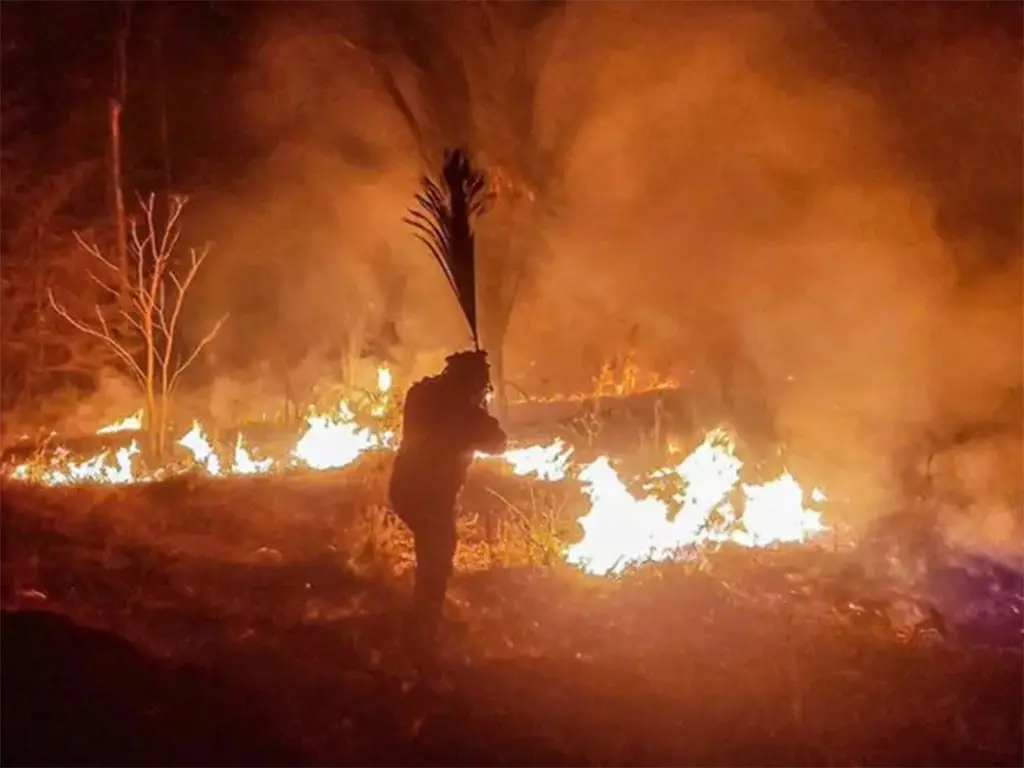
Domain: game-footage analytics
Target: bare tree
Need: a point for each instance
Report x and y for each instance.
(156, 288)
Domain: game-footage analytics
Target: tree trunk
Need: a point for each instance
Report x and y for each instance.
(164, 395)
(116, 106)
(152, 421)
(165, 134)
(288, 397)
(163, 406)
(497, 355)
(119, 216)
(42, 305)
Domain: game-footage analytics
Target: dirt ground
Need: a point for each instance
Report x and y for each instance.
(192, 626)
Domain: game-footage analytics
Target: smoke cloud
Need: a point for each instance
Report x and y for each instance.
(748, 176)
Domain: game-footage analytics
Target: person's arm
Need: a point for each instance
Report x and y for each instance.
(487, 434)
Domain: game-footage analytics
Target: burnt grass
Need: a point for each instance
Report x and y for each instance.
(256, 622)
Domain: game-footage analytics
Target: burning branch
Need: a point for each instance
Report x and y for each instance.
(142, 330)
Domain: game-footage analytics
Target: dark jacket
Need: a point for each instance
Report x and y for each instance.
(441, 430)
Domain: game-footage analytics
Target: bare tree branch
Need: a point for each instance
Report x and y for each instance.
(103, 285)
(131, 321)
(102, 333)
(195, 352)
(151, 315)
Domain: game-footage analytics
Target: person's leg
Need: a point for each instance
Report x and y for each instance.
(410, 621)
(435, 550)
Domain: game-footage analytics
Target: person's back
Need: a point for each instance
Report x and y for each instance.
(442, 428)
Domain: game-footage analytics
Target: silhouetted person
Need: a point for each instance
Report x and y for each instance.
(445, 422)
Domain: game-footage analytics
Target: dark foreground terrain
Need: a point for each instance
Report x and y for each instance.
(137, 633)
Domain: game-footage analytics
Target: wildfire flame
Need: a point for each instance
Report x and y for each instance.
(621, 530)
(384, 380)
(63, 470)
(707, 503)
(245, 464)
(131, 423)
(331, 443)
(548, 462)
(201, 449)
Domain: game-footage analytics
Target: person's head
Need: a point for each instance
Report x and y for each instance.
(470, 372)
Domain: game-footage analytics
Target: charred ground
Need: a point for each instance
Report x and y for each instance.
(256, 621)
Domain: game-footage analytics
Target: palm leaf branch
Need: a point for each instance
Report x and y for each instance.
(442, 220)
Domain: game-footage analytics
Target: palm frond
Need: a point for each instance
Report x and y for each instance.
(443, 222)
(432, 227)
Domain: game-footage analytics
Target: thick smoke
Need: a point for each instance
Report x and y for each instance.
(734, 181)
(316, 228)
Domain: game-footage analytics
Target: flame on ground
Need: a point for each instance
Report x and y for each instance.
(547, 462)
(64, 470)
(203, 453)
(245, 464)
(706, 501)
(621, 530)
(331, 443)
